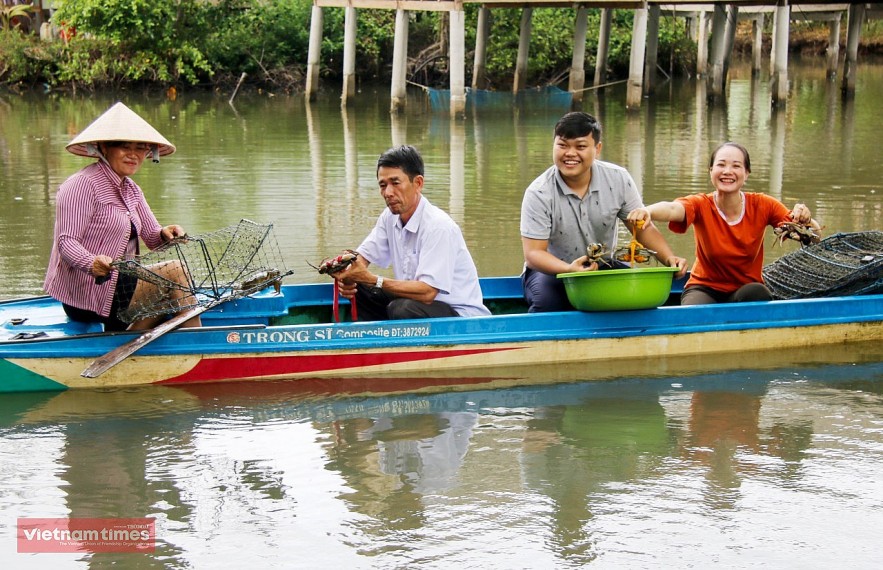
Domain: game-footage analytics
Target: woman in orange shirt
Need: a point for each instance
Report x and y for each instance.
(729, 226)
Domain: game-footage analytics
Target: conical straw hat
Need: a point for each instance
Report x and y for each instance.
(119, 123)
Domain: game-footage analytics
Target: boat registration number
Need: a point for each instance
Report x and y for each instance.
(329, 333)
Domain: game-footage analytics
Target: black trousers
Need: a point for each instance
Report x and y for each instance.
(376, 305)
(545, 293)
(122, 296)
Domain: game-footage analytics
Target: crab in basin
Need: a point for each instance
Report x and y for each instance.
(634, 252)
(639, 254)
(806, 235)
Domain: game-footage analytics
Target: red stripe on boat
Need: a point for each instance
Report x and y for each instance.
(213, 369)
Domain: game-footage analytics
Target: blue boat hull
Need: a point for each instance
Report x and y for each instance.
(291, 336)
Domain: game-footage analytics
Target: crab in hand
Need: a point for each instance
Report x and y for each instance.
(805, 234)
(336, 263)
(597, 253)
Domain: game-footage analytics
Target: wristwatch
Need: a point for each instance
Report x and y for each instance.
(379, 284)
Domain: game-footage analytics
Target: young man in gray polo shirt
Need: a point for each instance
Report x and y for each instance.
(572, 204)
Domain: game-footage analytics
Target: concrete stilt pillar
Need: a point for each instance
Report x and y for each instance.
(479, 66)
(457, 62)
(779, 75)
(349, 55)
(398, 90)
(603, 46)
(732, 23)
(773, 43)
(578, 64)
(523, 48)
(853, 34)
(716, 71)
(757, 44)
(314, 54)
(702, 45)
(652, 56)
(833, 52)
(635, 91)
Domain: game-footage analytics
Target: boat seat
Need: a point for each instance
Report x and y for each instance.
(46, 326)
(256, 308)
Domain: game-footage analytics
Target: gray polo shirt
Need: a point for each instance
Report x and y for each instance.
(551, 211)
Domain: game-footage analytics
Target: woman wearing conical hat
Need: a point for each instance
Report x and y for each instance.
(100, 216)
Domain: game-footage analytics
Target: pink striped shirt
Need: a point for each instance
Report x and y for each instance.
(94, 211)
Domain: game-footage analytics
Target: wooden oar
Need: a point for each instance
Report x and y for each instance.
(104, 363)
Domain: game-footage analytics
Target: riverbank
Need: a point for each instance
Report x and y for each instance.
(811, 39)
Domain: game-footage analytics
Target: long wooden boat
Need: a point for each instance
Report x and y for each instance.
(292, 335)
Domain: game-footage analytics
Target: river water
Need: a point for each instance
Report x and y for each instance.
(764, 459)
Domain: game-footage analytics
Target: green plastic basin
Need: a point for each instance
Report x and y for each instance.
(619, 289)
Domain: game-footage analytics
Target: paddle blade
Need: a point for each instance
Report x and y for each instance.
(104, 363)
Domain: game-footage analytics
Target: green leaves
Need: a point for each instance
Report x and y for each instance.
(194, 41)
(119, 41)
(9, 15)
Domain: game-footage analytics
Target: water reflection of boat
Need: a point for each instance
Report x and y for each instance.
(858, 366)
(325, 400)
(293, 336)
(138, 402)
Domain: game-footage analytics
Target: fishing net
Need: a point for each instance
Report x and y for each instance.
(842, 264)
(202, 270)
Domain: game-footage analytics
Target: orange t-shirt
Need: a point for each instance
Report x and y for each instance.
(729, 256)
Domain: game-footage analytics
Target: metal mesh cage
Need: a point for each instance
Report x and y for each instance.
(203, 269)
(842, 264)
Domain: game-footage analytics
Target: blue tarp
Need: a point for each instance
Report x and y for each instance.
(538, 97)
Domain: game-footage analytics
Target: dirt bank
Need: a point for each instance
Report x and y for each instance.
(809, 39)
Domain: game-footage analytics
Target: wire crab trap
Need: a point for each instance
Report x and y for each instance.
(204, 270)
(842, 264)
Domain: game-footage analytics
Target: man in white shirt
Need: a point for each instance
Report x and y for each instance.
(434, 275)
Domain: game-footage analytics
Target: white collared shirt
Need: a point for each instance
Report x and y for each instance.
(431, 249)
